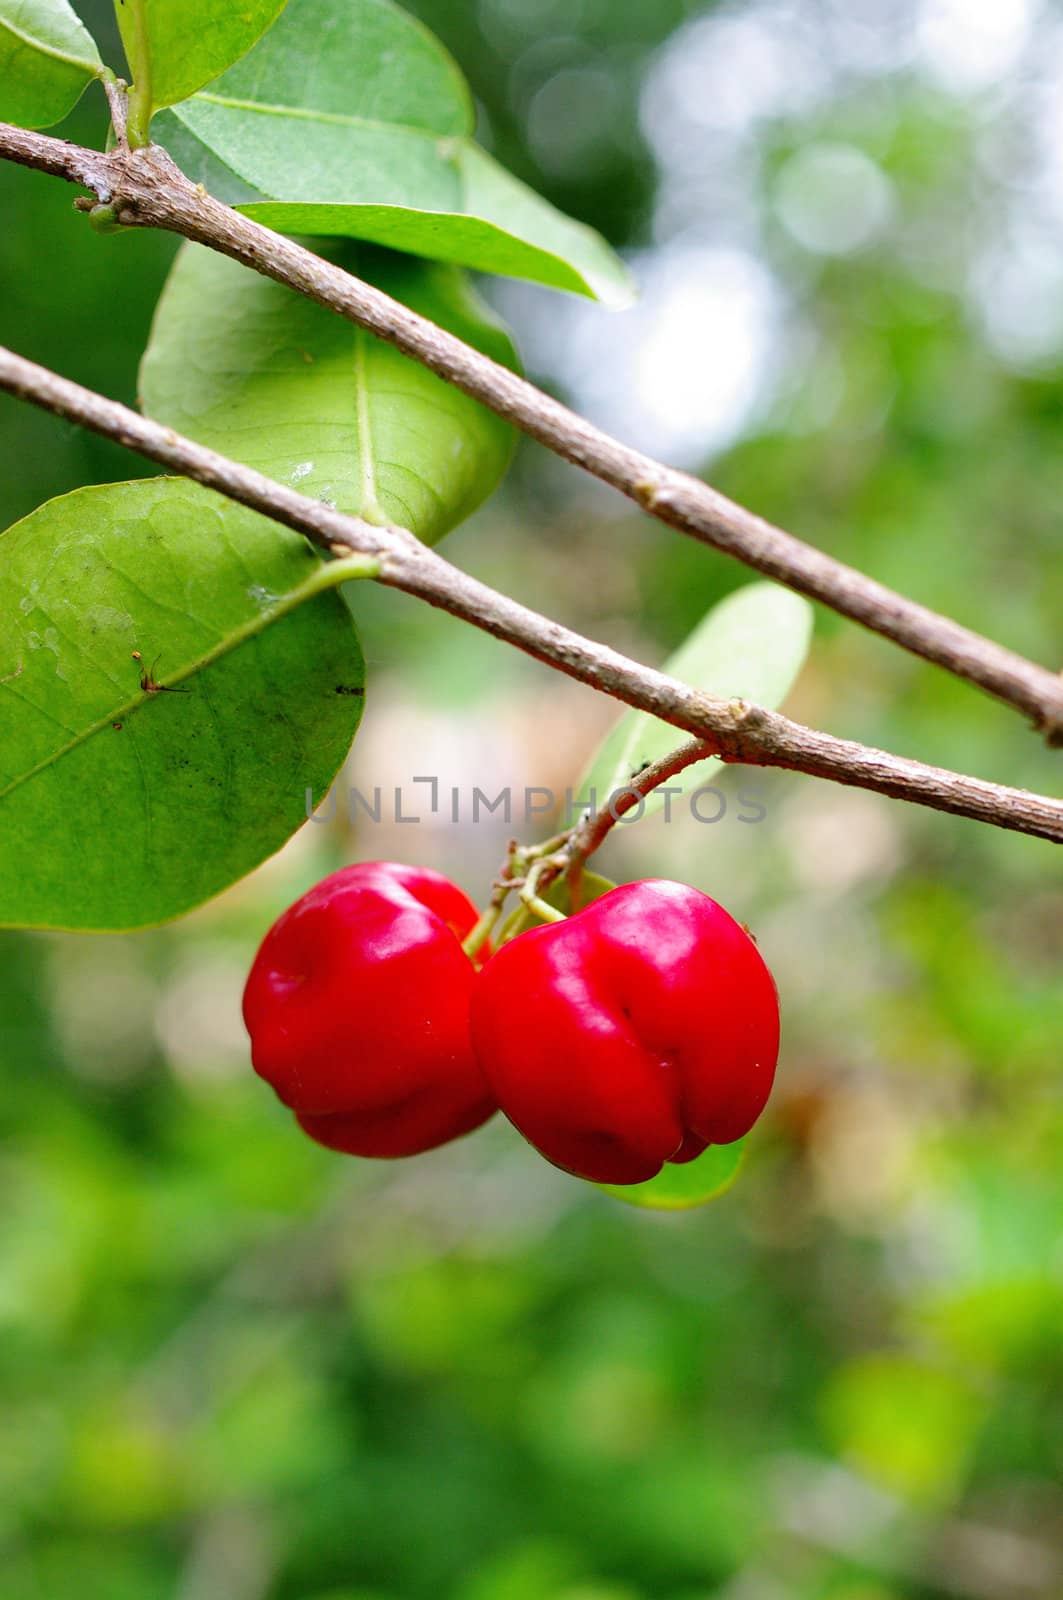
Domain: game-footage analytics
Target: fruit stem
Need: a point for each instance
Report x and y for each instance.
(531, 868)
(483, 929)
(529, 890)
(540, 908)
(522, 869)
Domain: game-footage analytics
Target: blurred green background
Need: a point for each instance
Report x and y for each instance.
(236, 1367)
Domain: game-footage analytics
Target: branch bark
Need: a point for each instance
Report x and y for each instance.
(734, 730)
(570, 852)
(591, 833)
(148, 190)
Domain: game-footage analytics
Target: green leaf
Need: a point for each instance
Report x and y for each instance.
(263, 375)
(119, 807)
(354, 121)
(174, 47)
(678, 1186)
(752, 645)
(47, 56)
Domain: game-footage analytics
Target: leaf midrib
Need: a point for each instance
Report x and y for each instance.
(327, 576)
(371, 508)
(336, 118)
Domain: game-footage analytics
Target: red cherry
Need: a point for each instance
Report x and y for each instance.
(358, 1009)
(636, 1032)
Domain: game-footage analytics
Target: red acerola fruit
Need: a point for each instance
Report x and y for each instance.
(636, 1032)
(358, 1009)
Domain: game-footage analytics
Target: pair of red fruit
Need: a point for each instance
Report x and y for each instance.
(638, 1031)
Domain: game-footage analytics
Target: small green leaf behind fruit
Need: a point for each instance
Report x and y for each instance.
(47, 57)
(559, 895)
(354, 121)
(678, 1187)
(121, 804)
(752, 645)
(267, 377)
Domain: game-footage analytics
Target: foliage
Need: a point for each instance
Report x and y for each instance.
(356, 122)
(174, 47)
(243, 365)
(370, 430)
(47, 57)
(169, 786)
(233, 1366)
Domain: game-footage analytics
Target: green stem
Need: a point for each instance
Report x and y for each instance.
(521, 860)
(478, 937)
(529, 893)
(532, 852)
(540, 908)
(138, 128)
(509, 927)
(343, 570)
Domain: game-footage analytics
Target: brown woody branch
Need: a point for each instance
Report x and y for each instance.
(733, 730)
(147, 189)
(591, 831)
(573, 849)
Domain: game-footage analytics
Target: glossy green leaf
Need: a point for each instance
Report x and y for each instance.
(121, 807)
(677, 1187)
(174, 47)
(263, 375)
(752, 645)
(354, 121)
(47, 56)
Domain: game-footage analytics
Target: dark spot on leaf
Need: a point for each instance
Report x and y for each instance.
(347, 688)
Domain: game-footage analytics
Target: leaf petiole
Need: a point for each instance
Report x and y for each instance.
(138, 48)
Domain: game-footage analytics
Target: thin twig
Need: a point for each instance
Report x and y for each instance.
(482, 930)
(570, 853)
(116, 90)
(590, 833)
(151, 191)
(732, 730)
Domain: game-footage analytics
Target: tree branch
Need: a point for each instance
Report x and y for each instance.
(570, 853)
(734, 730)
(148, 189)
(592, 831)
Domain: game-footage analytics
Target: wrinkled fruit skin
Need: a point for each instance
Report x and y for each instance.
(638, 1031)
(358, 1009)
